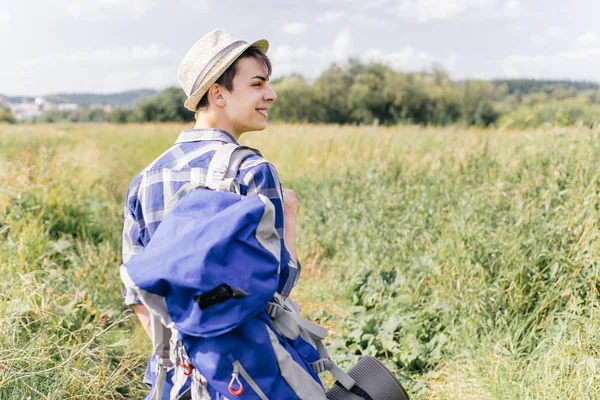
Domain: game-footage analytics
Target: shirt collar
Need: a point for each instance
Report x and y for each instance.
(195, 135)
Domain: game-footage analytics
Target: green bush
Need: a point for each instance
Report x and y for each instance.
(6, 116)
(575, 111)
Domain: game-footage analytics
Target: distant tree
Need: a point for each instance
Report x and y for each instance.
(412, 102)
(296, 101)
(446, 97)
(86, 115)
(6, 115)
(50, 116)
(369, 99)
(332, 92)
(525, 86)
(477, 108)
(120, 116)
(165, 106)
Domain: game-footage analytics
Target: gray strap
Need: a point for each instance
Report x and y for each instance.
(159, 385)
(284, 323)
(287, 320)
(291, 304)
(236, 159)
(179, 380)
(225, 165)
(178, 358)
(199, 391)
(219, 164)
(325, 364)
(229, 185)
(185, 189)
(161, 335)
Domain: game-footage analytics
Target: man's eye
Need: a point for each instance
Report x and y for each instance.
(256, 84)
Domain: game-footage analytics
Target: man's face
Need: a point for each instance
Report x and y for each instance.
(246, 105)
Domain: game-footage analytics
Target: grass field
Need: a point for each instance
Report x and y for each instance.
(467, 260)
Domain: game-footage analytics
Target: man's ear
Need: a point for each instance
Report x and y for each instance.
(215, 95)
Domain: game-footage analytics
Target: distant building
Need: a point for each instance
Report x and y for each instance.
(28, 110)
(25, 111)
(67, 106)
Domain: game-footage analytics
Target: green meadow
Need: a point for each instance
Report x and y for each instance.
(467, 260)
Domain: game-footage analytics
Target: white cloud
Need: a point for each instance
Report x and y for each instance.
(365, 20)
(330, 16)
(295, 28)
(368, 4)
(287, 59)
(543, 38)
(103, 80)
(431, 10)
(311, 61)
(587, 39)
(516, 28)
(118, 55)
(513, 8)
(572, 64)
(363, 4)
(153, 77)
(4, 17)
(427, 10)
(358, 18)
(94, 9)
(285, 52)
(410, 59)
(341, 48)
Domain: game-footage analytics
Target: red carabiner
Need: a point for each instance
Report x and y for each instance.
(240, 389)
(236, 392)
(187, 369)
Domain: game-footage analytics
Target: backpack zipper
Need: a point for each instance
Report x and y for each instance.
(239, 369)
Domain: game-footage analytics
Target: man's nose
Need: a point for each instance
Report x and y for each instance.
(270, 95)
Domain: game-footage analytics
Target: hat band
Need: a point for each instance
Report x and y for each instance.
(212, 62)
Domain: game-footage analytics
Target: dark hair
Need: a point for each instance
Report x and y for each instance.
(226, 79)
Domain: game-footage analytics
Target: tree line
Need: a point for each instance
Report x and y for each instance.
(359, 93)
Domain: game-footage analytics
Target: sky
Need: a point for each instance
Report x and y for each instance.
(107, 46)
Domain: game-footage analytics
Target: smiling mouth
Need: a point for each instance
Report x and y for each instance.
(262, 111)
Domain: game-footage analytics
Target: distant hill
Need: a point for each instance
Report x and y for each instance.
(85, 100)
(16, 99)
(122, 99)
(525, 86)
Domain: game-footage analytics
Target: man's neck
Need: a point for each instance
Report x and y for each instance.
(206, 120)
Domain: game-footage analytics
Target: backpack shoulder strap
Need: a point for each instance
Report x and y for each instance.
(221, 172)
(224, 167)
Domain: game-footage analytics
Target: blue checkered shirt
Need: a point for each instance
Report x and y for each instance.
(187, 161)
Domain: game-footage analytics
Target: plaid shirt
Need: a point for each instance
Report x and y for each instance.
(187, 161)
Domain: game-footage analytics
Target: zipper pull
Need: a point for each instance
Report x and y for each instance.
(235, 379)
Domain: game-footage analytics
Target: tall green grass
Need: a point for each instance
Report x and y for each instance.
(462, 258)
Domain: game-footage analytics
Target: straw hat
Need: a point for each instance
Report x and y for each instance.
(206, 61)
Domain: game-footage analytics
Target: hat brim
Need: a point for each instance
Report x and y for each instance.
(218, 69)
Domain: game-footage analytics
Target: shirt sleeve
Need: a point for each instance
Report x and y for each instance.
(132, 243)
(262, 178)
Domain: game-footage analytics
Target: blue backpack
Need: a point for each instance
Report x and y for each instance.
(209, 278)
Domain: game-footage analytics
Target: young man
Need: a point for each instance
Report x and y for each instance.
(226, 81)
